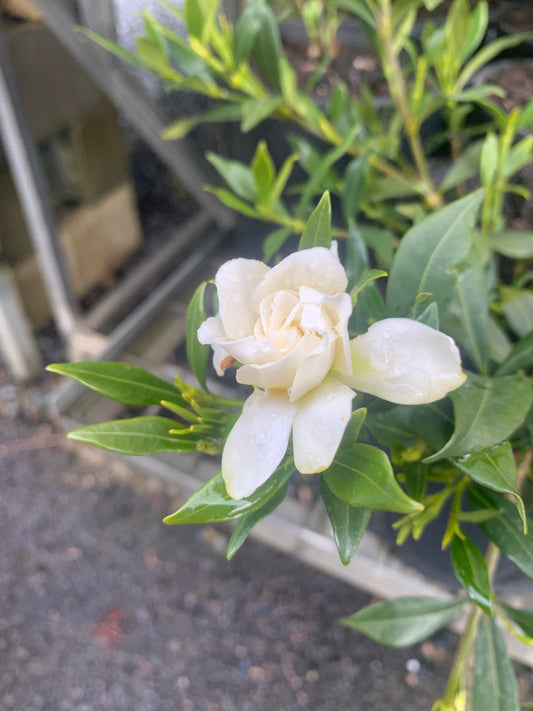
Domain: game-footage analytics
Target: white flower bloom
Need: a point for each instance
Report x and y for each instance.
(405, 362)
(286, 329)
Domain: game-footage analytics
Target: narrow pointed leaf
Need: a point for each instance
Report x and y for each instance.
(403, 621)
(494, 687)
(487, 411)
(245, 523)
(197, 353)
(506, 529)
(522, 618)
(348, 523)
(137, 436)
(471, 571)
(426, 253)
(317, 232)
(473, 300)
(517, 305)
(361, 475)
(212, 503)
(122, 382)
(254, 111)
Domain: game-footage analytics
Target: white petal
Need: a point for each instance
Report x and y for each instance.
(318, 268)
(319, 425)
(235, 282)
(257, 443)
(405, 362)
(312, 370)
(279, 373)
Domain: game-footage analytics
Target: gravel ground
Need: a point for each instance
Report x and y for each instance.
(104, 607)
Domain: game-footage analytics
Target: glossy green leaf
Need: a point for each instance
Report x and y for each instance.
(197, 353)
(366, 278)
(122, 382)
(506, 529)
(245, 523)
(494, 687)
(471, 571)
(317, 232)
(137, 436)
(522, 618)
(212, 503)
(404, 620)
(402, 424)
(516, 244)
(237, 175)
(521, 356)
(473, 301)
(361, 475)
(487, 411)
(348, 523)
(494, 467)
(254, 111)
(517, 305)
(426, 254)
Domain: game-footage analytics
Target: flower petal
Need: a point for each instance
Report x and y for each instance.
(318, 268)
(235, 282)
(257, 443)
(312, 370)
(280, 373)
(319, 425)
(405, 362)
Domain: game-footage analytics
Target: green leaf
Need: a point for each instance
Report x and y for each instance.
(517, 305)
(354, 185)
(485, 55)
(465, 167)
(487, 411)
(403, 423)
(494, 467)
(367, 277)
(122, 382)
(254, 111)
(505, 530)
(471, 571)
(403, 621)
(473, 300)
(137, 436)
(266, 48)
(246, 31)
(516, 244)
(179, 129)
(247, 522)
(237, 175)
(194, 18)
(522, 618)
(212, 503)
(263, 171)
(230, 200)
(317, 232)
(197, 353)
(494, 687)
(426, 254)
(275, 241)
(521, 356)
(489, 159)
(348, 523)
(361, 475)
(430, 316)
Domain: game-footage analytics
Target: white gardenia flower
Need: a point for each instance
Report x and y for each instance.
(286, 329)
